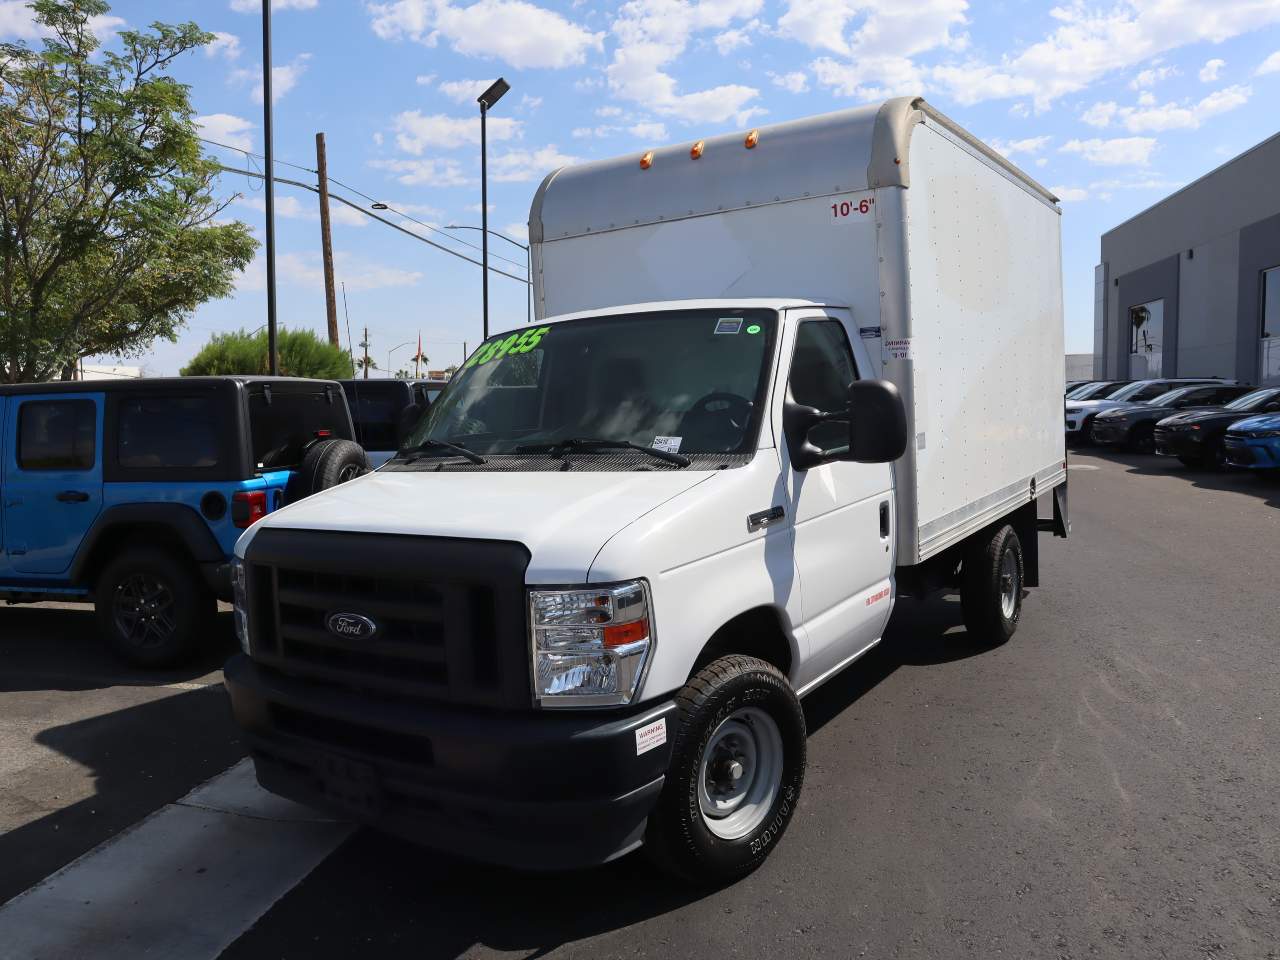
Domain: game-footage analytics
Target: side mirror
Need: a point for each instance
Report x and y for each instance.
(409, 417)
(877, 422)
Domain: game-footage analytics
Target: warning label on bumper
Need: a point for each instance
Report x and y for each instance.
(650, 736)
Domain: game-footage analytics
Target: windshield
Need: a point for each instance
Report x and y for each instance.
(1080, 390)
(1126, 393)
(683, 381)
(1253, 400)
(1092, 391)
(1172, 396)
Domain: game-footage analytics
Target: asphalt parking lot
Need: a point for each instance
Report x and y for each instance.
(1107, 784)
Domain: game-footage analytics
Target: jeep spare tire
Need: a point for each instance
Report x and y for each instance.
(326, 464)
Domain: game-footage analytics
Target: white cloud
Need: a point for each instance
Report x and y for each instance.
(608, 111)
(428, 172)
(1146, 99)
(1100, 114)
(793, 82)
(377, 138)
(425, 79)
(233, 131)
(1010, 148)
(517, 166)
(731, 40)
(530, 103)
(517, 231)
(464, 91)
(1151, 76)
(416, 132)
(649, 131)
(304, 270)
(18, 22)
(513, 31)
(652, 34)
(224, 45)
(1092, 41)
(869, 78)
(1116, 152)
(255, 6)
(1149, 116)
(291, 207)
(1070, 194)
(1209, 72)
(283, 78)
(1269, 65)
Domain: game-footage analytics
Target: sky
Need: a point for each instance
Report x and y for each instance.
(1112, 104)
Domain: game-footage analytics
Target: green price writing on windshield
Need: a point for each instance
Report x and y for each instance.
(516, 343)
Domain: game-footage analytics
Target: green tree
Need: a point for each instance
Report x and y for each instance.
(108, 230)
(302, 354)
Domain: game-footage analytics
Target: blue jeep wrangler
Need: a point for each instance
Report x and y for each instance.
(131, 493)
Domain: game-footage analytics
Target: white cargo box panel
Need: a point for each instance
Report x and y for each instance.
(947, 256)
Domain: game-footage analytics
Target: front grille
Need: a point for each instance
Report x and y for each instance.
(449, 614)
(1238, 452)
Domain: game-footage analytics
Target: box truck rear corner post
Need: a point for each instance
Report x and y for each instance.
(778, 380)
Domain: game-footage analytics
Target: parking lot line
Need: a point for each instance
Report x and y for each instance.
(181, 884)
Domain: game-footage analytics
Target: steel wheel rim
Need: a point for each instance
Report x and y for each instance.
(143, 609)
(740, 773)
(1008, 584)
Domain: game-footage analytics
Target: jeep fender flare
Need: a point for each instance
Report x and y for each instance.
(184, 523)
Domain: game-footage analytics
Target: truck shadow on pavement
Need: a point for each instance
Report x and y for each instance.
(45, 647)
(380, 896)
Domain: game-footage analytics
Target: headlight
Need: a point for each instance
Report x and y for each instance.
(590, 644)
(240, 593)
(1266, 434)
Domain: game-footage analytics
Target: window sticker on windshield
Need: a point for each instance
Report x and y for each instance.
(754, 328)
(729, 325)
(500, 347)
(667, 444)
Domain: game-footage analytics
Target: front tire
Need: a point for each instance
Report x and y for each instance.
(737, 766)
(991, 591)
(152, 607)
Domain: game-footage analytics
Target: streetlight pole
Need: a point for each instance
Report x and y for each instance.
(271, 189)
(528, 264)
(407, 343)
(486, 100)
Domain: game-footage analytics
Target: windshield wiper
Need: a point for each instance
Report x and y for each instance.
(453, 448)
(593, 443)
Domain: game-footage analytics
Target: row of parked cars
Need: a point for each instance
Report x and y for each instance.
(1202, 422)
(131, 494)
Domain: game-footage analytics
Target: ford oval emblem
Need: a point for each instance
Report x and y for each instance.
(351, 626)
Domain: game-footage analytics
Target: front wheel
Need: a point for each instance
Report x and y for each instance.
(737, 765)
(152, 607)
(991, 592)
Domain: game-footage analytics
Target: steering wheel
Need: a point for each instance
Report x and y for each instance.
(716, 421)
(729, 405)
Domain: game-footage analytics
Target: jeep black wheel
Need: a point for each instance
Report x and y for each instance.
(152, 606)
(737, 765)
(326, 464)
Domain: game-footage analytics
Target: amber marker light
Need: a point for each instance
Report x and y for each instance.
(647, 160)
(752, 139)
(696, 150)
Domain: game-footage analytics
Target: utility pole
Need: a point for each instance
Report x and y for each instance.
(271, 189)
(326, 241)
(365, 344)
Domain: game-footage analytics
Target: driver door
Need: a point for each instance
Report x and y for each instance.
(843, 510)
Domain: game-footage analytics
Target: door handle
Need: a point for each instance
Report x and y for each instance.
(765, 518)
(73, 496)
(884, 519)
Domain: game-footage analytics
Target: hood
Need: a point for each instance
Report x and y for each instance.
(563, 518)
(1125, 406)
(1091, 406)
(1267, 421)
(1201, 414)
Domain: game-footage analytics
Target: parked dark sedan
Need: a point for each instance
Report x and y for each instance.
(1195, 436)
(1133, 425)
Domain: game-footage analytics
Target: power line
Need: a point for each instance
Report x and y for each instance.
(360, 193)
(374, 216)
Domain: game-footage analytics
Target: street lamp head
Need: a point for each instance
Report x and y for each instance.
(493, 94)
(378, 205)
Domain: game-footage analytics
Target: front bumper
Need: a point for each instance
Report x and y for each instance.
(1110, 433)
(1181, 443)
(528, 789)
(1253, 453)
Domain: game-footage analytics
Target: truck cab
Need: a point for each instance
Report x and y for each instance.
(576, 613)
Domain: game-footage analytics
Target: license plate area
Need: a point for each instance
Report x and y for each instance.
(350, 785)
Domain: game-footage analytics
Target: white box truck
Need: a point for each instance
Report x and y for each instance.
(777, 379)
